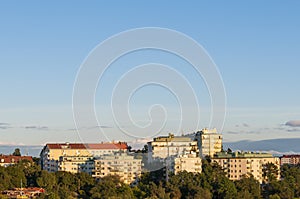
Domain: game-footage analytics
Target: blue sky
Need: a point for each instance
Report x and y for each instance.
(255, 44)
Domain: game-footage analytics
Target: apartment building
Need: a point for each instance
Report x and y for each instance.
(209, 142)
(290, 159)
(170, 146)
(188, 162)
(238, 164)
(125, 166)
(76, 164)
(51, 153)
(7, 160)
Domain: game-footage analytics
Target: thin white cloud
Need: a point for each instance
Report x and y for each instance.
(245, 125)
(4, 125)
(37, 127)
(242, 125)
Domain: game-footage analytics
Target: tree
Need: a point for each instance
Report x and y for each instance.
(17, 152)
(46, 180)
(248, 187)
(158, 191)
(16, 176)
(85, 183)
(4, 179)
(111, 187)
(270, 172)
(145, 149)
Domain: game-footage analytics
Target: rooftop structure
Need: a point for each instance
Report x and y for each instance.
(172, 138)
(89, 146)
(242, 154)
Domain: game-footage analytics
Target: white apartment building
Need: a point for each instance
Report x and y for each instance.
(76, 164)
(125, 166)
(209, 142)
(189, 163)
(170, 146)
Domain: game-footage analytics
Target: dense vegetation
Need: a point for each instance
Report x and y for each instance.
(211, 183)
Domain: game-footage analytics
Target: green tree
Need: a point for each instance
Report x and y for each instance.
(31, 171)
(248, 187)
(111, 187)
(66, 182)
(270, 172)
(158, 191)
(17, 176)
(291, 178)
(85, 183)
(17, 152)
(4, 179)
(46, 180)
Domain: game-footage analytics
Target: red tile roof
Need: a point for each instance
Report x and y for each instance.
(13, 159)
(119, 145)
(66, 145)
(291, 156)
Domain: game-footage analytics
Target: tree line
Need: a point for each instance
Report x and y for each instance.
(211, 183)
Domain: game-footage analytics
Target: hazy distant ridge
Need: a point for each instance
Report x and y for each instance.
(288, 145)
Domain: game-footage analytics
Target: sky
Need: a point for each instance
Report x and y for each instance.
(254, 44)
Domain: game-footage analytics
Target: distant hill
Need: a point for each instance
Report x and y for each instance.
(280, 146)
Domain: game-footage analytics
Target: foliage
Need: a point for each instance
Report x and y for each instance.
(17, 152)
(212, 183)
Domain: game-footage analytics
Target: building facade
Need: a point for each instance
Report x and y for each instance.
(244, 163)
(290, 159)
(189, 163)
(7, 160)
(209, 142)
(51, 153)
(76, 164)
(170, 146)
(125, 166)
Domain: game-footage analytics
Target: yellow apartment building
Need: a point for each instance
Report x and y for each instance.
(243, 163)
(125, 166)
(52, 152)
